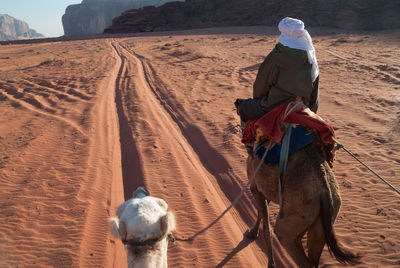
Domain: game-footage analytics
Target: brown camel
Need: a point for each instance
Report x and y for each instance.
(311, 202)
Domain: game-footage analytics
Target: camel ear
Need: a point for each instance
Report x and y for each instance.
(167, 223)
(171, 221)
(118, 228)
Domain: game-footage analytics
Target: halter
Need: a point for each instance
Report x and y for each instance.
(138, 246)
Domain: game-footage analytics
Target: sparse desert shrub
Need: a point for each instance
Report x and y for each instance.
(193, 54)
(197, 55)
(38, 52)
(180, 52)
(166, 46)
(97, 49)
(47, 61)
(76, 62)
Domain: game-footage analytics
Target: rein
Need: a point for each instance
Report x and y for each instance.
(269, 146)
(341, 146)
(292, 107)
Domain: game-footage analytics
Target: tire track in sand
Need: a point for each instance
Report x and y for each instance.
(167, 164)
(222, 173)
(130, 159)
(103, 185)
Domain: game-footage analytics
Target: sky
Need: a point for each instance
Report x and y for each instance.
(44, 16)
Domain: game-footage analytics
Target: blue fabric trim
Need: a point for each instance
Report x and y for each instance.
(299, 139)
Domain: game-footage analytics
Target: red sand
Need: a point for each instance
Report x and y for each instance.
(86, 122)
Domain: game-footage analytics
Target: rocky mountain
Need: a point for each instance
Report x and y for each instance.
(353, 15)
(93, 16)
(14, 29)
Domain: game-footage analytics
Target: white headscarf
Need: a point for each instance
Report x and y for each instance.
(294, 35)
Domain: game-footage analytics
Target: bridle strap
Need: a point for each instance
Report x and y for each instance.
(148, 242)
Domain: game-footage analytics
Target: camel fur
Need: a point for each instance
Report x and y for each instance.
(311, 203)
(145, 226)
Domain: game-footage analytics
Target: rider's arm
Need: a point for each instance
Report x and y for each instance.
(265, 77)
(314, 98)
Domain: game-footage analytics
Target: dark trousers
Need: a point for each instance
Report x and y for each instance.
(250, 109)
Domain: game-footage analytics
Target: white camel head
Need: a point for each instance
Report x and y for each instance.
(144, 226)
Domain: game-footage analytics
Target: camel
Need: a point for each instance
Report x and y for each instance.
(145, 227)
(311, 202)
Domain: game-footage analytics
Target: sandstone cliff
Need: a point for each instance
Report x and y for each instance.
(354, 15)
(14, 29)
(93, 16)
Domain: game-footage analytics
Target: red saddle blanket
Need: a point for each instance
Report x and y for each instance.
(271, 122)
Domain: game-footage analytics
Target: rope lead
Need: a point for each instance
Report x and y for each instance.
(190, 239)
(339, 146)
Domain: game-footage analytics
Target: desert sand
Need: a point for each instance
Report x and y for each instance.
(83, 123)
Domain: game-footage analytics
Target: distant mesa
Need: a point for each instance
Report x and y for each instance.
(93, 16)
(14, 29)
(351, 15)
(170, 16)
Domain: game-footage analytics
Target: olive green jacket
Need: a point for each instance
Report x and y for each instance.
(284, 75)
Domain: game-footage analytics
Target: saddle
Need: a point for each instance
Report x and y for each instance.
(271, 126)
(299, 138)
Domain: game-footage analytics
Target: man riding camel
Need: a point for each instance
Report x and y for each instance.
(289, 72)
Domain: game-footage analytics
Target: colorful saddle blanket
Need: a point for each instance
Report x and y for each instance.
(270, 124)
(299, 139)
